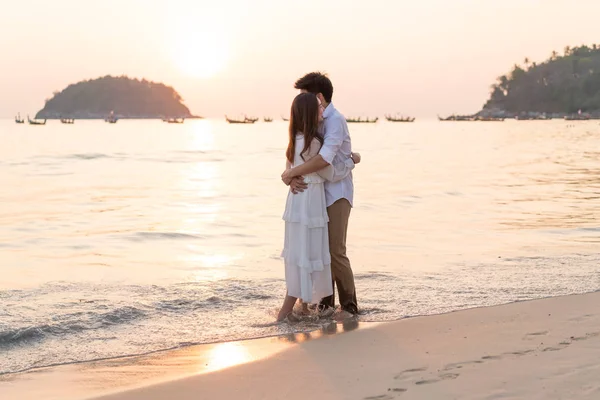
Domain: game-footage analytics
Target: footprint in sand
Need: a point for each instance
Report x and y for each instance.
(580, 338)
(491, 357)
(380, 397)
(407, 372)
(519, 353)
(459, 365)
(572, 339)
(398, 391)
(534, 334)
(426, 381)
(510, 353)
(560, 346)
(442, 377)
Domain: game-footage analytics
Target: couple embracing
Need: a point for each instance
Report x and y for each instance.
(319, 172)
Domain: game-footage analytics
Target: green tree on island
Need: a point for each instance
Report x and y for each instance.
(561, 84)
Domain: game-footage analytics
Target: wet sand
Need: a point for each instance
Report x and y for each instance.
(541, 349)
(91, 379)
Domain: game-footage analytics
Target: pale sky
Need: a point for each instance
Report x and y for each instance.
(418, 57)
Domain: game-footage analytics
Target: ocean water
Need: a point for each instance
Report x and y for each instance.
(142, 236)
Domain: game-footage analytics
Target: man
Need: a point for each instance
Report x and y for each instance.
(339, 195)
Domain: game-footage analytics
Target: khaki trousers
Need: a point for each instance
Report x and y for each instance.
(341, 271)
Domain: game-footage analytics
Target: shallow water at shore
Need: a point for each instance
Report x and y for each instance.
(140, 236)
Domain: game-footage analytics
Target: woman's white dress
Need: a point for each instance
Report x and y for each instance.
(306, 244)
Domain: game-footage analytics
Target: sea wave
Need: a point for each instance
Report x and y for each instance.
(66, 322)
(72, 323)
(143, 236)
(88, 156)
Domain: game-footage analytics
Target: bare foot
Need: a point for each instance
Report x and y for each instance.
(304, 310)
(283, 315)
(326, 312)
(290, 318)
(281, 318)
(343, 316)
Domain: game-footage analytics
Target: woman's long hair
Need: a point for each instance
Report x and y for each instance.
(304, 118)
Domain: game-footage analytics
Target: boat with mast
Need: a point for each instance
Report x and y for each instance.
(35, 122)
(111, 119)
(246, 120)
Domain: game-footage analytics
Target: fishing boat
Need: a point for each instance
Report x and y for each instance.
(489, 119)
(284, 118)
(577, 117)
(35, 122)
(251, 119)
(19, 120)
(532, 117)
(67, 121)
(175, 120)
(359, 120)
(457, 118)
(268, 119)
(111, 119)
(240, 121)
(399, 119)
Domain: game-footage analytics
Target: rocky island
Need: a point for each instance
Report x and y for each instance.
(124, 97)
(562, 85)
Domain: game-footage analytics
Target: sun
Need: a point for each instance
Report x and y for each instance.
(201, 58)
(199, 50)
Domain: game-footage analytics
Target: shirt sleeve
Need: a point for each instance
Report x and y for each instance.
(338, 171)
(334, 139)
(313, 150)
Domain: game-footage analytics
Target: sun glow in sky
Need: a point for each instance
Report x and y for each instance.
(200, 46)
(232, 57)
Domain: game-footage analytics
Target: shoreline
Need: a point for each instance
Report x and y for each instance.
(324, 330)
(309, 334)
(90, 378)
(540, 349)
(200, 365)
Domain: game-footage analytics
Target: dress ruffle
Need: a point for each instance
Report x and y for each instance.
(306, 243)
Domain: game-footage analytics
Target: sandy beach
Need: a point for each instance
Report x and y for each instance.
(541, 349)
(546, 349)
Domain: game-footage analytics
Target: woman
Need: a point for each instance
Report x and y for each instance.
(306, 243)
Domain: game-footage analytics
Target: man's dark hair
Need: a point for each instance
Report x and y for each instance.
(316, 82)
